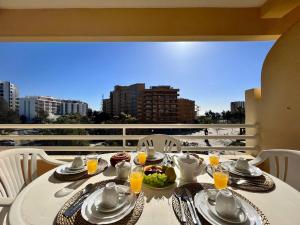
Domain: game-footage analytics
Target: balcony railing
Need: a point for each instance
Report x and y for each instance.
(124, 137)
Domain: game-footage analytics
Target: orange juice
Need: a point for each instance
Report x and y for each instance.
(221, 180)
(92, 165)
(136, 181)
(214, 160)
(142, 156)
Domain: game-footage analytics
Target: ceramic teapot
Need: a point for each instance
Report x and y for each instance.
(123, 169)
(189, 166)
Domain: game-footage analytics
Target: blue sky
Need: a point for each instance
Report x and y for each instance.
(211, 73)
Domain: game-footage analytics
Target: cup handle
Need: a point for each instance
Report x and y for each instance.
(174, 157)
(238, 204)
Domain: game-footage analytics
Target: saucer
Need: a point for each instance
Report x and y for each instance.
(242, 217)
(157, 156)
(93, 216)
(253, 170)
(202, 206)
(65, 170)
(75, 169)
(98, 206)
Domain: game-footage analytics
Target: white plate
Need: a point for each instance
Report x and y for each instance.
(202, 207)
(242, 218)
(122, 201)
(157, 156)
(75, 169)
(65, 170)
(96, 217)
(253, 170)
(159, 188)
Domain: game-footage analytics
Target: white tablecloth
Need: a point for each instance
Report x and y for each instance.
(38, 203)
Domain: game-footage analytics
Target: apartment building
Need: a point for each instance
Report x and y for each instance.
(73, 107)
(123, 99)
(158, 104)
(186, 110)
(31, 106)
(10, 93)
(235, 106)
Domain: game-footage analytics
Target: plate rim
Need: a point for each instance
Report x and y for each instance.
(113, 209)
(257, 220)
(60, 168)
(232, 170)
(159, 188)
(224, 218)
(106, 221)
(162, 155)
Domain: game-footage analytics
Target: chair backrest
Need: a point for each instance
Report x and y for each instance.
(18, 167)
(160, 142)
(284, 164)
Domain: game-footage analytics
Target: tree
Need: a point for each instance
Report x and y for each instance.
(6, 114)
(42, 117)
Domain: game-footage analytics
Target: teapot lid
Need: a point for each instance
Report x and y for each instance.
(123, 163)
(188, 158)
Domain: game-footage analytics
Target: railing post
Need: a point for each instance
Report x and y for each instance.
(124, 137)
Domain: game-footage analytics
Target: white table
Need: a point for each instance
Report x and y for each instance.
(37, 204)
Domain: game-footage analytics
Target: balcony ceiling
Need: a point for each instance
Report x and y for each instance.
(35, 4)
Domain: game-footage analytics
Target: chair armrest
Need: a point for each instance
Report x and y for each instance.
(50, 160)
(6, 201)
(259, 159)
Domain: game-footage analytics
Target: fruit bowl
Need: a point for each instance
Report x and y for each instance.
(159, 176)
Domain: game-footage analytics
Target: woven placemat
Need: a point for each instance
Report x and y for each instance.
(262, 183)
(194, 188)
(102, 165)
(77, 219)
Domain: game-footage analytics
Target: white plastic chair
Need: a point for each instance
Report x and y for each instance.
(18, 167)
(160, 142)
(284, 164)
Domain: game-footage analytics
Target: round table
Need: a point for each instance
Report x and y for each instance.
(38, 203)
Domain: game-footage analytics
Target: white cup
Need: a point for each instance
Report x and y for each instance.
(150, 152)
(227, 205)
(242, 164)
(110, 195)
(77, 162)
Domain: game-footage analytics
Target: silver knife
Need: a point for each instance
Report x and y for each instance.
(78, 203)
(190, 197)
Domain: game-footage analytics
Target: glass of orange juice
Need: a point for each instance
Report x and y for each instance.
(214, 158)
(221, 177)
(92, 163)
(136, 179)
(142, 156)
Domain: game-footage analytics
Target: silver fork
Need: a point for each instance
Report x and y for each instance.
(183, 218)
(186, 198)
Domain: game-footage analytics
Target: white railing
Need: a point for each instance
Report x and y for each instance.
(124, 136)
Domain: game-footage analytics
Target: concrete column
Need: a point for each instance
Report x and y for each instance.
(252, 105)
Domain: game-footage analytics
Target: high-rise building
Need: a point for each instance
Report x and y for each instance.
(73, 107)
(32, 106)
(10, 93)
(123, 99)
(186, 111)
(235, 106)
(158, 105)
(107, 106)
